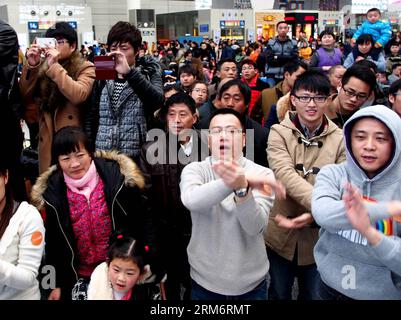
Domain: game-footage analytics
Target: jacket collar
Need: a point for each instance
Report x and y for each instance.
(113, 167)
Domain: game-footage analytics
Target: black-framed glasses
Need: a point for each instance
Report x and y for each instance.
(61, 41)
(307, 99)
(359, 96)
(216, 131)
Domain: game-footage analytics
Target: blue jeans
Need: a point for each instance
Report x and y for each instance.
(325, 292)
(200, 293)
(282, 275)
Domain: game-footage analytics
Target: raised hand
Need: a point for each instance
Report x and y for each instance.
(231, 173)
(356, 212)
(358, 215)
(122, 66)
(33, 55)
(52, 56)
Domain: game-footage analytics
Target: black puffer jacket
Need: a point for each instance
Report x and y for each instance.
(125, 200)
(146, 81)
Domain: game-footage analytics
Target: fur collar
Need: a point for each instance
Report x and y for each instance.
(50, 95)
(128, 168)
(283, 105)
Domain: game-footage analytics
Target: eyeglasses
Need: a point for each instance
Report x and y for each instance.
(307, 99)
(359, 96)
(61, 41)
(216, 131)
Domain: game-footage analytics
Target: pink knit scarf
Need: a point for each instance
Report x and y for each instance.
(86, 184)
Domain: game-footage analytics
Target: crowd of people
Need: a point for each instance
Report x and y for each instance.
(200, 171)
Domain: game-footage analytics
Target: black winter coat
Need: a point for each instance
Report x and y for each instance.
(125, 200)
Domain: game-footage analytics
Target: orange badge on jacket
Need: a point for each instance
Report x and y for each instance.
(36, 238)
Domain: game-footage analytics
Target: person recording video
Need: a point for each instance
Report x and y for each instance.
(122, 107)
(55, 83)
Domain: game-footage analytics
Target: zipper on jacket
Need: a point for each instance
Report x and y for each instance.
(112, 206)
(66, 239)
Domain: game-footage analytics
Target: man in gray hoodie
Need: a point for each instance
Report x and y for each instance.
(351, 265)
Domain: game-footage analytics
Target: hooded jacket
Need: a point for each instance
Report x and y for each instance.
(123, 182)
(288, 148)
(344, 259)
(380, 31)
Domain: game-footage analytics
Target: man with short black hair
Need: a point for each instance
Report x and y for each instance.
(279, 51)
(235, 94)
(270, 96)
(162, 162)
(187, 76)
(356, 86)
(123, 108)
(229, 210)
(226, 68)
(354, 260)
(250, 75)
(298, 147)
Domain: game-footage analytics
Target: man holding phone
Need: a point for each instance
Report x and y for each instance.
(121, 107)
(55, 87)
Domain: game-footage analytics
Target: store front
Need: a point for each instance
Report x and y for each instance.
(266, 22)
(332, 21)
(233, 29)
(302, 21)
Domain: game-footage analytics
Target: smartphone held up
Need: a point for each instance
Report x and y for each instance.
(45, 43)
(105, 68)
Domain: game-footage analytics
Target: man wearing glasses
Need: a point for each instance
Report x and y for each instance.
(356, 86)
(250, 75)
(298, 147)
(55, 83)
(236, 95)
(229, 207)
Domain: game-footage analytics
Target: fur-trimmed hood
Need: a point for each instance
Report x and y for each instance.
(284, 105)
(129, 170)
